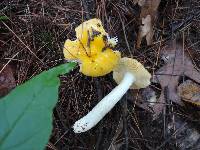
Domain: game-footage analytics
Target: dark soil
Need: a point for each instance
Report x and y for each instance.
(32, 38)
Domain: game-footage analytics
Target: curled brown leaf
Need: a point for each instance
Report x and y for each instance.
(148, 17)
(189, 91)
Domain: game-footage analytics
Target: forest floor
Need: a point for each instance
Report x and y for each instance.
(31, 40)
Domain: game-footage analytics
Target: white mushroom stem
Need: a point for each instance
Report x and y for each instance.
(105, 105)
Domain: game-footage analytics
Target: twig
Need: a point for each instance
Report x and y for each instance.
(22, 42)
(127, 44)
(167, 140)
(124, 116)
(85, 7)
(100, 96)
(63, 135)
(9, 62)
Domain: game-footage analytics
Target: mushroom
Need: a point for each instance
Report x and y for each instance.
(129, 74)
(93, 50)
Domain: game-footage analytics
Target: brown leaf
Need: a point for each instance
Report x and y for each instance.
(185, 134)
(7, 81)
(179, 64)
(148, 17)
(189, 91)
(143, 98)
(149, 96)
(140, 2)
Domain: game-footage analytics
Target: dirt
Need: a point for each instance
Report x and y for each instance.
(32, 38)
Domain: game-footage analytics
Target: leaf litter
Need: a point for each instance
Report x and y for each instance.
(78, 94)
(148, 17)
(189, 91)
(7, 80)
(179, 64)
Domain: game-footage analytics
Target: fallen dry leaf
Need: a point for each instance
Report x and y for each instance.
(189, 91)
(148, 17)
(143, 98)
(179, 64)
(149, 96)
(7, 80)
(139, 2)
(185, 134)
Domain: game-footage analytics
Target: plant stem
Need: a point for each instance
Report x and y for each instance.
(104, 106)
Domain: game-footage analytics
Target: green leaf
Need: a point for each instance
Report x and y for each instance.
(3, 18)
(26, 113)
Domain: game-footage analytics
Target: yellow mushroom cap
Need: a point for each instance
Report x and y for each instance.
(88, 27)
(100, 64)
(91, 50)
(73, 50)
(136, 68)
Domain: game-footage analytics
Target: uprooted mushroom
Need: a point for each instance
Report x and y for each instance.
(93, 49)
